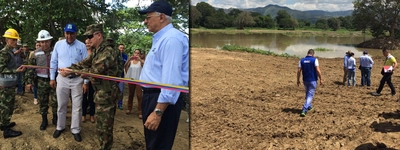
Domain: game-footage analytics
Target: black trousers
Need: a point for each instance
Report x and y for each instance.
(88, 100)
(387, 77)
(163, 138)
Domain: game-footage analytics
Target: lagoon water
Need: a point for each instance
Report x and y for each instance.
(280, 43)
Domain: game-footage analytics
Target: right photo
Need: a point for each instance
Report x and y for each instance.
(294, 74)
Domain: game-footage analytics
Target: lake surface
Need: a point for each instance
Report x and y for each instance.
(280, 43)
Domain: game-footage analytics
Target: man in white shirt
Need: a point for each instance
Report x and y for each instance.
(351, 70)
(366, 63)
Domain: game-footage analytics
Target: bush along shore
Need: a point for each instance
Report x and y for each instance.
(253, 50)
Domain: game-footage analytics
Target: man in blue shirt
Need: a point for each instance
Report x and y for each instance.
(366, 63)
(167, 63)
(309, 67)
(66, 52)
(345, 58)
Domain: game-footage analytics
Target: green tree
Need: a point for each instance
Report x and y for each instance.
(284, 20)
(334, 23)
(244, 19)
(346, 22)
(304, 23)
(206, 11)
(378, 15)
(195, 16)
(321, 24)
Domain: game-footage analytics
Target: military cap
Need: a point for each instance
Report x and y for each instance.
(93, 28)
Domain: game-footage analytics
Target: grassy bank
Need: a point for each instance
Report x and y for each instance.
(252, 50)
(299, 32)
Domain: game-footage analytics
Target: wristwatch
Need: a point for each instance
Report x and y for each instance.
(158, 112)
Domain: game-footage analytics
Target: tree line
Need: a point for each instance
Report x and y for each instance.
(380, 18)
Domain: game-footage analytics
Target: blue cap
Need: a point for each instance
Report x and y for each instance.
(365, 52)
(70, 27)
(158, 6)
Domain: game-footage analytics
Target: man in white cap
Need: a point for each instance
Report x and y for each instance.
(41, 77)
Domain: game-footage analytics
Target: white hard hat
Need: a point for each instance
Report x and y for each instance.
(44, 35)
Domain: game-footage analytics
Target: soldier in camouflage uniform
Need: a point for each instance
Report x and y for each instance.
(8, 79)
(41, 77)
(105, 61)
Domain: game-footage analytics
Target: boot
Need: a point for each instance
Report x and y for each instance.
(12, 124)
(8, 133)
(54, 120)
(44, 122)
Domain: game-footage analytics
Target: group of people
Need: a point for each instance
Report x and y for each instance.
(308, 68)
(350, 67)
(59, 74)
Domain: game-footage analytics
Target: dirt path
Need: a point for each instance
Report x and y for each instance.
(251, 101)
(128, 130)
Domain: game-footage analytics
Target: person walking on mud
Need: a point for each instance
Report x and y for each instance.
(8, 79)
(41, 77)
(346, 57)
(390, 62)
(309, 67)
(351, 70)
(366, 63)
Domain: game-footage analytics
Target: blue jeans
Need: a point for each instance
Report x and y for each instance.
(310, 91)
(20, 89)
(121, 88)
(351, 76)
(366, 76)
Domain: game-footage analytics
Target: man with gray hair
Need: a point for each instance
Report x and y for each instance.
(309, 67)
(366, 63)
(169, 64)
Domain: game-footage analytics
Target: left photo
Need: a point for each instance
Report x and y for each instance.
(109, 74)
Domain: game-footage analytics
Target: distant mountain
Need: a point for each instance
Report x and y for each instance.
(310, 15)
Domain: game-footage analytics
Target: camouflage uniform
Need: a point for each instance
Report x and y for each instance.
(43, 84)
(103, 61)
(7, 95)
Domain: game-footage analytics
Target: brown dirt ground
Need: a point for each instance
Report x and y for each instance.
(128, 130)
(251, 101)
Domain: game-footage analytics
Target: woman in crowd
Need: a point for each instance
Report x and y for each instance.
(133, 67)
(88, 96)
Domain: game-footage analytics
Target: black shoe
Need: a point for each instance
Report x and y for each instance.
(54, 120)
(44, 124)
(12, 124)
(77, 137)
(9, 133)
(57, 133)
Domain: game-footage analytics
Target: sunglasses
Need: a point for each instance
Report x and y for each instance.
(91, 36)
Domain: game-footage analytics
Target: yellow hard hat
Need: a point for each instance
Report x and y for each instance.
(12, 34)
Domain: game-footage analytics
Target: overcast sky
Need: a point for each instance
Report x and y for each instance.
(326, 5)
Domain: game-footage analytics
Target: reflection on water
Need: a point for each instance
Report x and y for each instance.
(280, 43)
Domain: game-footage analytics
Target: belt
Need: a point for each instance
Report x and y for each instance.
(151, 90)
(72, 76)
(44, 79)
